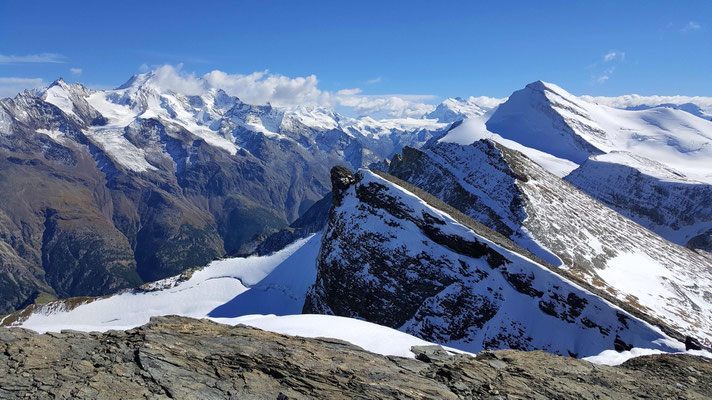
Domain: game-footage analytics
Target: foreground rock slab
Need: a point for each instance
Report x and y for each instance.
(177, 357)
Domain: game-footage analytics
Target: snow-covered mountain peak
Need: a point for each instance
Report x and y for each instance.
(547, 118)
(136, 80)
(314, 116)
(549, 87)
(71, 99)
(547, 94)
(58, 82)
(456, 109)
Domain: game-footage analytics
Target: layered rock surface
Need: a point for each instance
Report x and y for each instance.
(175, 357)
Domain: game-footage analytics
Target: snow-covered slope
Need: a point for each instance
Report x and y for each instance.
(274, 284)
(695, 105)
(391, 257)
(651, 194)
(545, 117)
(508, 192)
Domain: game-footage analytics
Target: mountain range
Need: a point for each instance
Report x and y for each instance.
(547, 222)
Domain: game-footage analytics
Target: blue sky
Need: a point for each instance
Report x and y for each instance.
(436, 48)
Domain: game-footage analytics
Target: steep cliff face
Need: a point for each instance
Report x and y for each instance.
(406, 260)
(493, 199)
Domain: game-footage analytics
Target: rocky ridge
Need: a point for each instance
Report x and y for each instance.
(508, 192)
(395, 256)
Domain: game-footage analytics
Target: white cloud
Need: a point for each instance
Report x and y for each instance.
(633, 100)
(691, 27)
(487, 102)
(9, 87)
(349, 92)
(374, 81)
(42, 58)
(614, 55)
(76, 71)
(171, 78)
(396, 105)
(605, 75)
(603, 70)
(264, 87)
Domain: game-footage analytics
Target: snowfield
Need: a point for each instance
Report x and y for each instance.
(221, 282)
(372, 337)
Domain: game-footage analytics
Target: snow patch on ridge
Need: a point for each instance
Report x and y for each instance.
(371, 337)
(612, 357)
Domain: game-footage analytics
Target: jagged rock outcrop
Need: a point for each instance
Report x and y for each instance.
(173, 357)
(396, 256)
(508, 192)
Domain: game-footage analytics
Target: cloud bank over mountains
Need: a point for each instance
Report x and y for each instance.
(264, 87)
